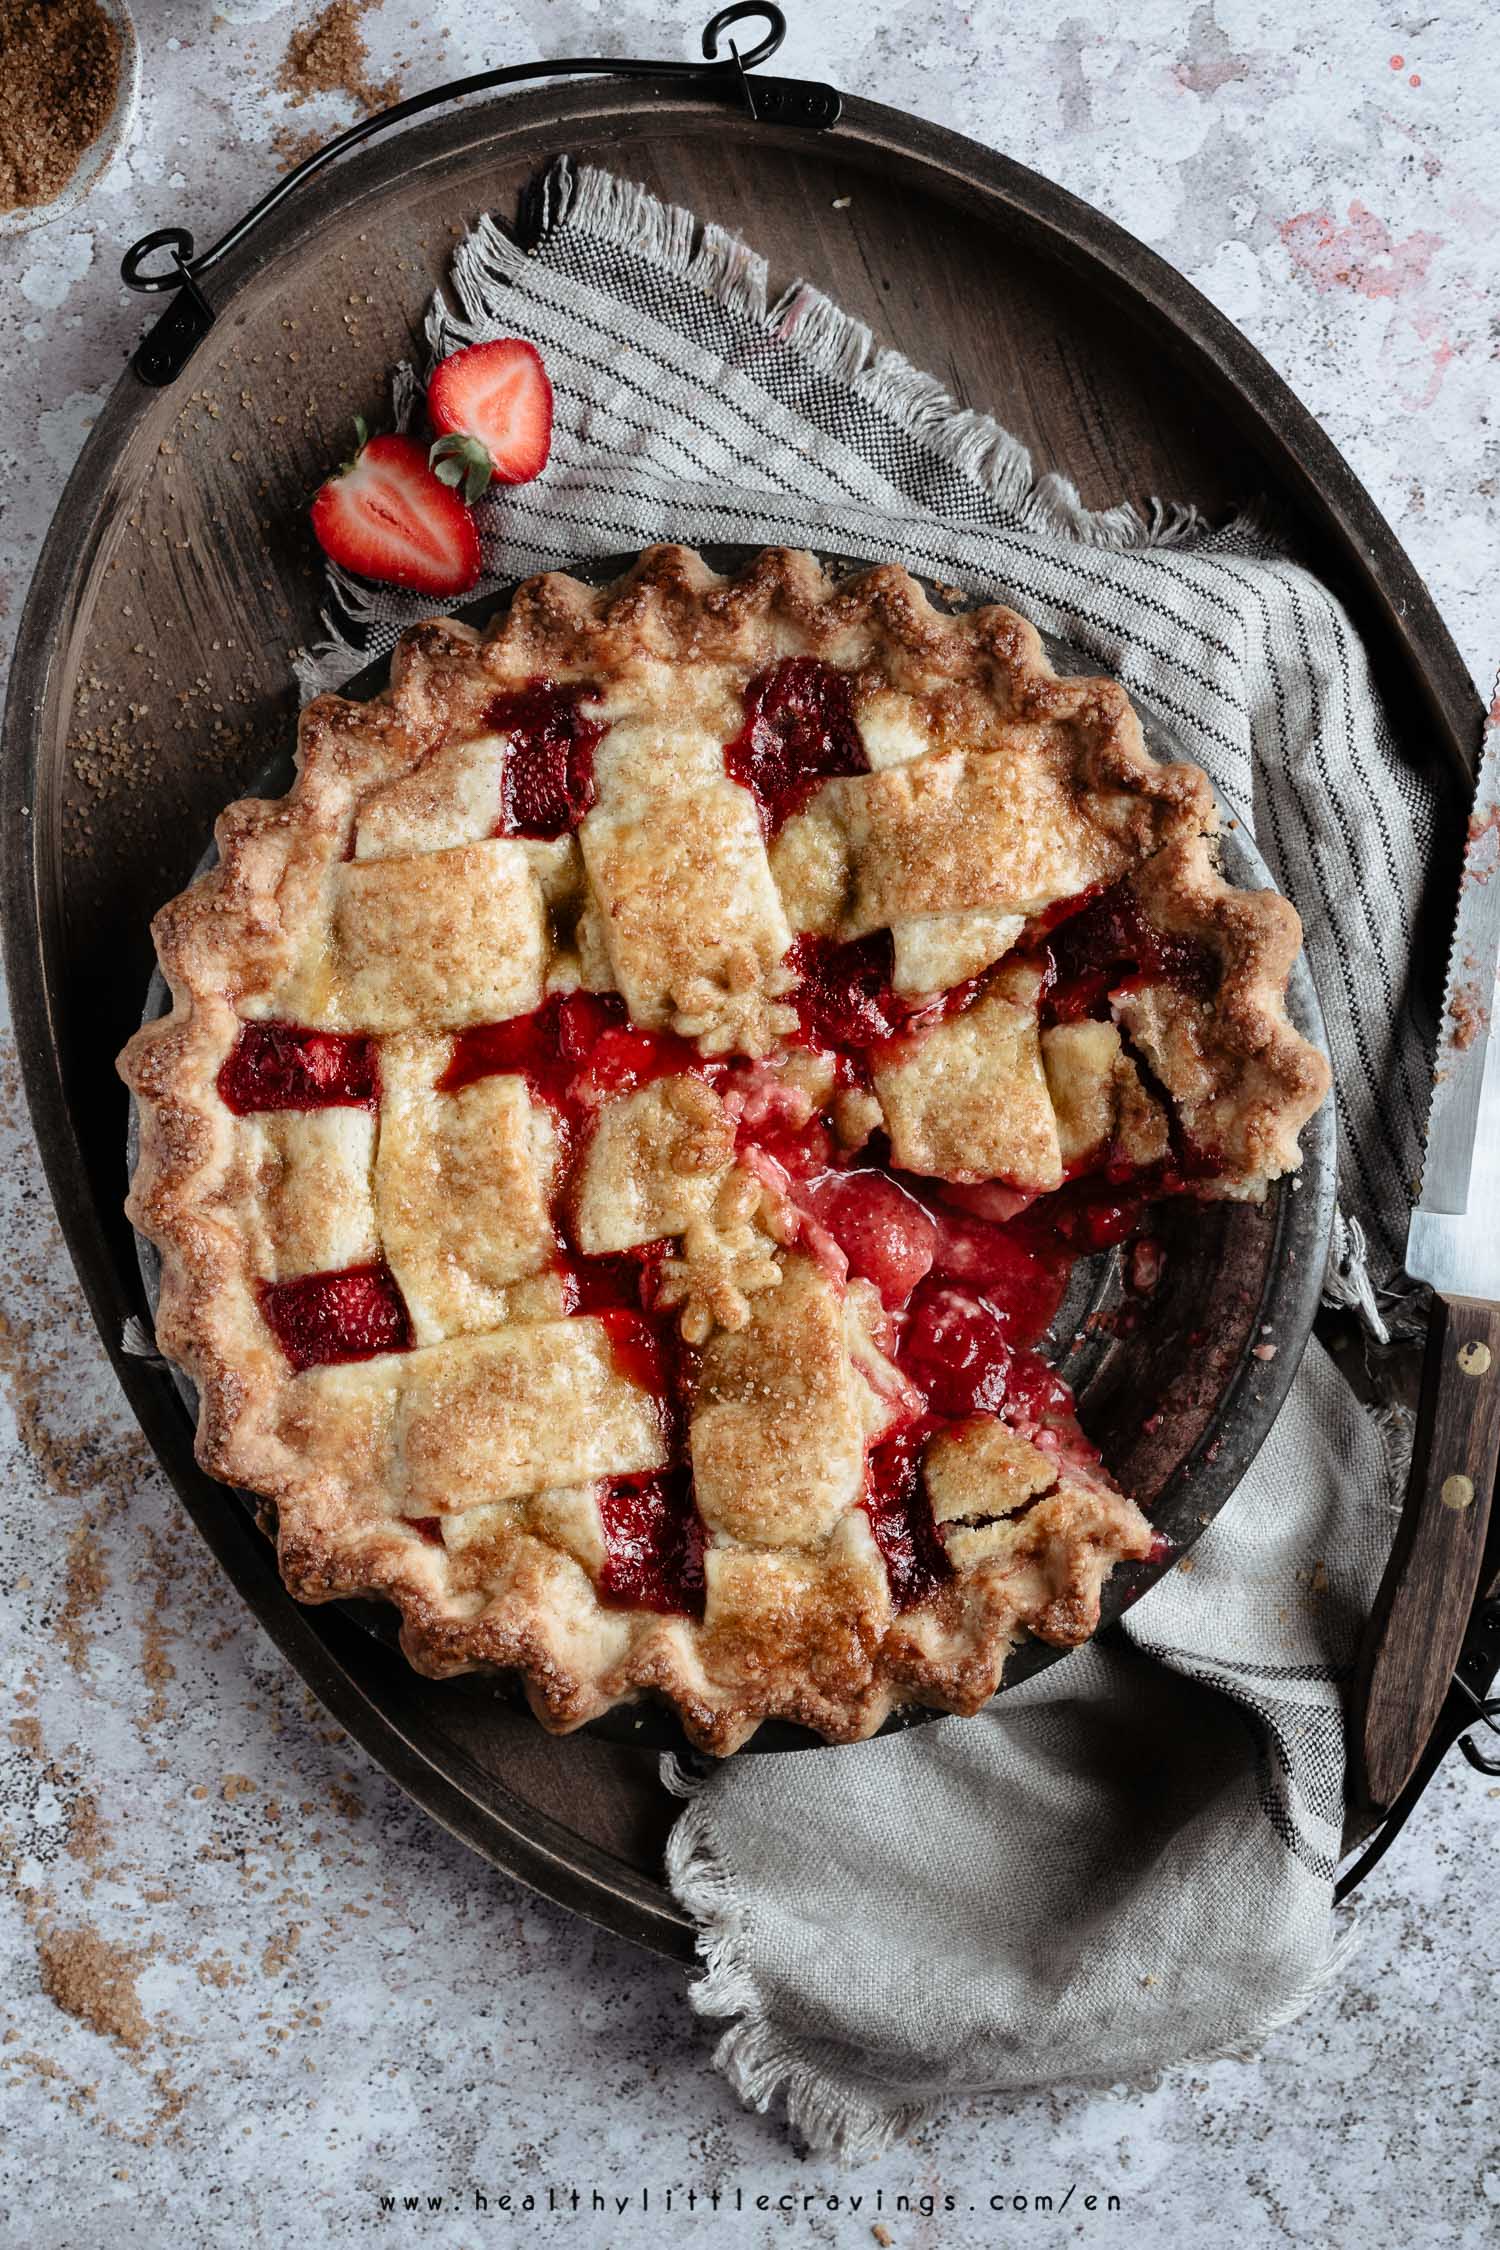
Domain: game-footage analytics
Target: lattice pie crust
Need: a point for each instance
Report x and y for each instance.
(607, 1102)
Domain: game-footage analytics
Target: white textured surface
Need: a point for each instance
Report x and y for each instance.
(339, 2002)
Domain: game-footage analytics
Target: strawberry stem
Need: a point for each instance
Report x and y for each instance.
(361, 440)
(460, 460)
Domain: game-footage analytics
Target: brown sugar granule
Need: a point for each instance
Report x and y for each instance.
(86, 1584)
(58, 87)
(87, 1837)
(294, 144)
(330, 57)
(344, 1802)
(94, 1981)
(280, 1950)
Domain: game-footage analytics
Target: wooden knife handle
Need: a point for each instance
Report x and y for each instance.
(1417, 1626)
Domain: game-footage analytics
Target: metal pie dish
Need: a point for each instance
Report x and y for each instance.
(1175, 1388)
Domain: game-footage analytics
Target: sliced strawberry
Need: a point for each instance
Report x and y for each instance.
(387, 516)
(284, 1066)
(324, 1318)
(900, 1513)
(955, 1349)
(653, 1543)
(883, 1232)
(499, 394)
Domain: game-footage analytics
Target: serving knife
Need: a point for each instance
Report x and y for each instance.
(1417, 1627)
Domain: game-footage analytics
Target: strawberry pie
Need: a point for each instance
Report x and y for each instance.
(628, 1115)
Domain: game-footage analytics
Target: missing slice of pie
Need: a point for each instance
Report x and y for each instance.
(627, 1115)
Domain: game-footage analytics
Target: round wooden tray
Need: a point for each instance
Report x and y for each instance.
(151, 679)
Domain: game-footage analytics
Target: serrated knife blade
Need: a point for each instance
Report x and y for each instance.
(1454, 1240)
(1426, 1598)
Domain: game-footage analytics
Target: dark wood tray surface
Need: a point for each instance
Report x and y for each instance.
(151, 677)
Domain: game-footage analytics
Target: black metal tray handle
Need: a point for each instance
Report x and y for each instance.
(166, 348)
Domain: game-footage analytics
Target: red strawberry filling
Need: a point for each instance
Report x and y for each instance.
(637, 1347)
(900, 1514)
(619, 1280)
(955, 1349)
(577, 1051)
(327, 1317)
(1022, 1270)
(843, 997)
(623, 1060)
(653, 1543)
(548, 1048)
(547, 782)
(1108, 945)
(619, 1290)
(799, 732)
(886, 1235)
(281, 1066)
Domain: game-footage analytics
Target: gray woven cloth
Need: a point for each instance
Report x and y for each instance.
(1130, 1859)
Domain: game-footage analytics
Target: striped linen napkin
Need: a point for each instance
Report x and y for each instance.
(1129, 1859)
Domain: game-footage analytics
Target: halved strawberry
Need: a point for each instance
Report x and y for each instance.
(387, 516)
(499, 395)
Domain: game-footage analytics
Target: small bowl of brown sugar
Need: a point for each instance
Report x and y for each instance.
(69, 92)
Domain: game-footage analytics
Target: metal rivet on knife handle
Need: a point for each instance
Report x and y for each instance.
(1475, 1359)
(1458, 1492)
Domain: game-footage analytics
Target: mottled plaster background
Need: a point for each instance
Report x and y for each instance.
(298, 1995)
